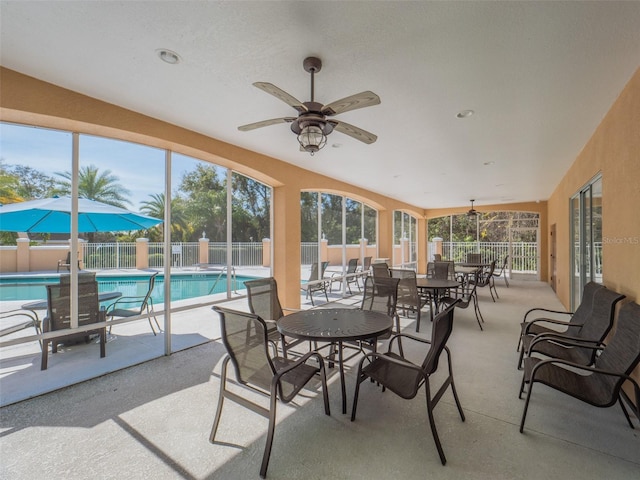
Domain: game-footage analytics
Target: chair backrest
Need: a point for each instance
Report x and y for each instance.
(147, 297)
(262, 295)
(598, 325)
(352, 266)
(503, 267)
(244, 336)
(622, 353)
(441, 270)
(323, 267)
(59, 305)
(380, 295)
(437, 257)
(440, 333)
(407, 286)
(474, 258)
(468, 290)
(583, 312)
(314, 272)
(83, 277)
(366, 264)
(380, 270)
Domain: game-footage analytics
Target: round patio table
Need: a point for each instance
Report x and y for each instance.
(435, 285)
(335, 325)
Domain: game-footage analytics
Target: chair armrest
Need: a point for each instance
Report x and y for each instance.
(122, 300)
(567, 340)
(406, 335)
(583, 368)
(544, 310)
(297, 363)
(527, 325)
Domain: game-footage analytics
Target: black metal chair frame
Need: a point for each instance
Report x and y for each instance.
(59, 317)
(20, 313)
(349, 277)
(594, 384)
(465, 296)
(384, 368)
(409, 299)
(503, 271)
(279, 367)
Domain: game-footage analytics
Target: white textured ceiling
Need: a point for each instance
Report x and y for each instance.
(539, 75)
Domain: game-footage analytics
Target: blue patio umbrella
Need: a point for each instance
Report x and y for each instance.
(53, 215)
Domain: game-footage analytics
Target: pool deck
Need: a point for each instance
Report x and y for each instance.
(193, 323)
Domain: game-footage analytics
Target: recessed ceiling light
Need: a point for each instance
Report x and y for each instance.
(464, 113)
(489, 163)
(336, 145)
(168, 56)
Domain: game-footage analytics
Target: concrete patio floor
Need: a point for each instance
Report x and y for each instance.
(153, 420)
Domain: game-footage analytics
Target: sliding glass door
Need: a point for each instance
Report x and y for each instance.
(586, 232)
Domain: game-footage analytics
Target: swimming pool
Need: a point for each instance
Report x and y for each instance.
(183, 286)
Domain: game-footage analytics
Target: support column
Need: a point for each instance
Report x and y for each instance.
(422, 240)
(266, 252)
(203, 253)
(22, 255)
(286, 244)
(142, 253)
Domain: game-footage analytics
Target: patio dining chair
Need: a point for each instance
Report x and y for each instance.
(381, 295)
(464, 297)
(315, 286)
(262, 296)
(405, 378)
(409, 299)
(596, 326)
(503, 271)
(599, 385)
(245, 338)
(59, 317)
(485, 279)
(380, 270)
(132, 306)
(66, 263)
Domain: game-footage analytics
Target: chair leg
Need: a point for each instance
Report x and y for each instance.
(103, 342)
(626, 414)
(359, 380)
(223, 379)
(526, 405)
(272, 426)
(432, 423)
(45, 354)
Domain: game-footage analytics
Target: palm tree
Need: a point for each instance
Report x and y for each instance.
(95, 185)
(155, 208)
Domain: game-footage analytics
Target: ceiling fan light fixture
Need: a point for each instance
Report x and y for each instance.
(312, 138)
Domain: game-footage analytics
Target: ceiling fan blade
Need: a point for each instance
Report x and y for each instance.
(355, 132)
(265, 123)
(281, 95)
(359, 100)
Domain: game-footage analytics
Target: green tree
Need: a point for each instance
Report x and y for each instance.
(95, 185)
(251, 206)
(205, 200)
(32, 184)
(180, 229)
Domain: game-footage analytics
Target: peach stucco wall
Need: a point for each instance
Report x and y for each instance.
(31, 101)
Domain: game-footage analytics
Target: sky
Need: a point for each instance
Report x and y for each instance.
(140, 168)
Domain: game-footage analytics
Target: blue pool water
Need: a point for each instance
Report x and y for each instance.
(182, 286)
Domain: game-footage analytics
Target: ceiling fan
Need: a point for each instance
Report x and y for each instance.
(312, 125)
(472, 212)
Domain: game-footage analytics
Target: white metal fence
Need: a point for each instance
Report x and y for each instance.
(120, 255)
(523, 255)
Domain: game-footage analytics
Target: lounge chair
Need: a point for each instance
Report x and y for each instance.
(349, 278)
(244, 336)
(596, 326)
(315, 285)
(404, 378)
(599, 385)
(535, 326)
(126, 307)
